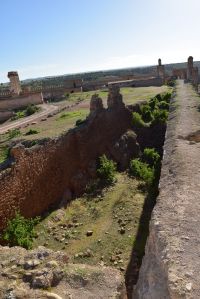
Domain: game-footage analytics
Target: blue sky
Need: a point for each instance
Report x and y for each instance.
(52, 37)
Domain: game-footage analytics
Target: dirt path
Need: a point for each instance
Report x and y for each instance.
(46, 109)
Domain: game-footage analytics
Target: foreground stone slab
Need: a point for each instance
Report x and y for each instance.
(171, 266)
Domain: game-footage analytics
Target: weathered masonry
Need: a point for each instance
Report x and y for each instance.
(171, 265)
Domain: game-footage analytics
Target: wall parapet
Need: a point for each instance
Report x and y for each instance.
(171, 265)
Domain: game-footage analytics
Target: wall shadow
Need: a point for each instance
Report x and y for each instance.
(138, 250)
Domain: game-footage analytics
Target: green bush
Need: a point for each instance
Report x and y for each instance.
(80, 122)
(4, 153)
(20, 231)
(31, 109)
(166, 97)
(31, 132)
(146, 113)
(106, 170)
(158, 97)
(160, 116)
(13, 133)
(171, 83)
(142, 171)
(151, 157)
(153, 103)
(163, 105)
(18, 115)
(137, 120)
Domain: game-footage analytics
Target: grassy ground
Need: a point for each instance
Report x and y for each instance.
(130, 94)
(63, 121)
(114, 219)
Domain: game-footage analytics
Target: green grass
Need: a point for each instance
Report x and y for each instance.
(63, 121)
(4, 152)
(121, 205)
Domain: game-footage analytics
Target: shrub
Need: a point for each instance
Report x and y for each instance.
(18, 115)
(158, 97)
(163, 105)
(80, 122)
(171, 83)
(137, 120)
(31, 109)
(20, 231)
(106, 170)
(153, 103)
(31, 132)
(142, 171)
(4, 153)
(151, 157)
(13, 133)
(166, 97)
(160, 116)
(146, 113)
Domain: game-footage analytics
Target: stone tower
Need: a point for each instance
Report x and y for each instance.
(15, 87)
(189, 68)
(160, 70)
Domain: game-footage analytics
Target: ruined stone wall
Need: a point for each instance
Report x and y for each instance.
(20, 101)
(43, 174)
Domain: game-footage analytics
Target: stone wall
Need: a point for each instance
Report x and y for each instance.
(17, 102)
(138, 83)
(170, 267)
(43, 174)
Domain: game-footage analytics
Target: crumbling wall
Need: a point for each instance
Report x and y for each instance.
(17, 102)
(43, 174)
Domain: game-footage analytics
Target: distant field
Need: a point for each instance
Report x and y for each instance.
(130, 95)
(63, 121)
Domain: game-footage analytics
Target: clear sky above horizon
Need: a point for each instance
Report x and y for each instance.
(54, 37)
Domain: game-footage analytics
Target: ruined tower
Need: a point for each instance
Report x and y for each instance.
(160, 70)
(15, 86)
(189, 68)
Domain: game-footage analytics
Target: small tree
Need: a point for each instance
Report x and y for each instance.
(142, 171)
(20, 231)
(151, 157)
(107, 170)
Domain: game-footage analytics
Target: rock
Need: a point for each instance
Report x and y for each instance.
(52, 264)
(122, 230)
(122, 269)
(28, 276)
(52, 295)
(88, 253)
(125, 149)
(13, 276)
(113, 258)
(42, 279)
(30, 264)
(89, 233)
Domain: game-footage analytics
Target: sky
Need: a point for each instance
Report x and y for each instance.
(55, 37)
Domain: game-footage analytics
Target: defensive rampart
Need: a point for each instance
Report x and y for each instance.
(171, 265)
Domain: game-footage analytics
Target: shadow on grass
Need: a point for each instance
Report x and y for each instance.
(132, 271)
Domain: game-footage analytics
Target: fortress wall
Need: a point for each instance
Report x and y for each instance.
(42, 174)
(4, 115)
(171, 265)
(20, 101)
